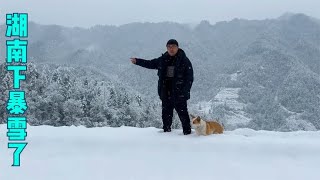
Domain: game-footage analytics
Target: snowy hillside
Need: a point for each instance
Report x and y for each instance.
(227, 97)
(258, 74)
(128, 153)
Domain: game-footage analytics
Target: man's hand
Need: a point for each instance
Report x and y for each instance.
(133, 60)
(150, 64)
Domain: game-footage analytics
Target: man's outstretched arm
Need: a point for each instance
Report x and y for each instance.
(150, 64)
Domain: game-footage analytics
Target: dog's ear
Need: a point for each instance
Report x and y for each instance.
(192, 116)
(198, 118)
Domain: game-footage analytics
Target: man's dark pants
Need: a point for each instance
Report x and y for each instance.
(168, 104)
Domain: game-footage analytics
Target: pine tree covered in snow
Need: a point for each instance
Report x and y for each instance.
(64, 96)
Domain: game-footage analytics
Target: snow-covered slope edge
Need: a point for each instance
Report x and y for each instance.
(145, 153)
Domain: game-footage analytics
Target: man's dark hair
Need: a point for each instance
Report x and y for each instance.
(173, 41)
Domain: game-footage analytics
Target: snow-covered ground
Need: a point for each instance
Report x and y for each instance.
(127, 153)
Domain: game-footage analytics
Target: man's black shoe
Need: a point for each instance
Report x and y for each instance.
(186, 132)
(167, 129)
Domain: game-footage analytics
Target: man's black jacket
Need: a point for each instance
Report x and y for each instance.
(183, 73)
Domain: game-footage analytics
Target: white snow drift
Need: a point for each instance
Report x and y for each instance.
(128, 153)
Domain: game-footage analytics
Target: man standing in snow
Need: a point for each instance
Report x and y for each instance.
(175, 81)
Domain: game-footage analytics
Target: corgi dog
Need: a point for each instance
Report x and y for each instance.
(205, 127)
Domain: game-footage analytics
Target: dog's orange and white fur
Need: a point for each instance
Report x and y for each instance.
(206, 127)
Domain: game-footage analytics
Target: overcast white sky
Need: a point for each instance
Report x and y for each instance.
(86, 13)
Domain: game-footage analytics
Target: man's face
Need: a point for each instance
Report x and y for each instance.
(172, 49)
